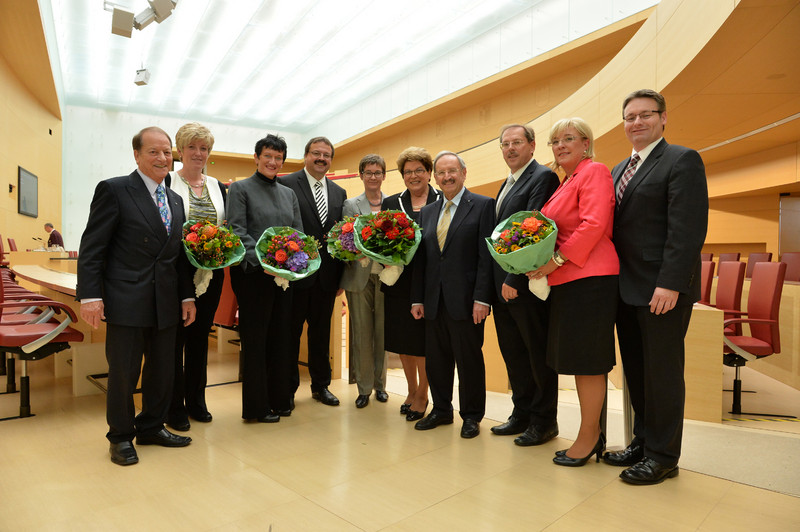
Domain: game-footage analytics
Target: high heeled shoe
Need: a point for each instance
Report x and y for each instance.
(413, 415)
(562, 459)
(404, 408)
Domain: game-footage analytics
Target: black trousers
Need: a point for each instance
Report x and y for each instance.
(263, 329)
(315, 306)
(652, 352)
(522, 337)
(125, 347)
(455, 344)
(191, 355)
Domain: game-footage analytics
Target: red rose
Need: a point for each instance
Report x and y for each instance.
(197, 226)
(192, 237)
(280, 256)
(347, 228)
(402, 222)
(409, 233)
(392, 233)
(386, 225)
(366, 233)
(293, 246)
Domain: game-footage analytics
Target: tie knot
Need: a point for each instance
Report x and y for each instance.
(318, 185)
(448, 204)
(635, 159)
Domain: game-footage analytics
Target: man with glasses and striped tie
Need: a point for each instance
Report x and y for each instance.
(453, 291)
(321, 203)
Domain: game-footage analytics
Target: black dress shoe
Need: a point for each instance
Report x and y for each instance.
(325, 397)
(282, 413)
(537, 435)
(630, 455)
(514, 425)
(182, 425)
(414, 415)
(404, 408)
(648, 472)
(163, 438)
(202, 417)
(470, 428)
(269, 418)
(561, 457)
(381, 396)
(362, 400)
(291, 403)
(432, 421)
(123, 453)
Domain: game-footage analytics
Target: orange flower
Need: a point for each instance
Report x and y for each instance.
(293, 246)
(281, 256)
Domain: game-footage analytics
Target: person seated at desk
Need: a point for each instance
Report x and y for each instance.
(55, 238)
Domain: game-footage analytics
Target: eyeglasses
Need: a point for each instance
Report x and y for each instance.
(318, 154)
(516, 144)
(565, 140)
(419, 172)
(644, 115)
(369, 174)
(449, 172)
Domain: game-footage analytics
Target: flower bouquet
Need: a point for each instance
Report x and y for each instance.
(210, 247)
(523, 242)
(288, 254)
(341, 242)
(390, 238)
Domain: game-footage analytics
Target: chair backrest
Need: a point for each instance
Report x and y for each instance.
(706, 280)
(228, 306)
(730, 280)
(725, 257)
(12, 244)
(706, 256)
(764, 302)
(792, 260)
(752, 259)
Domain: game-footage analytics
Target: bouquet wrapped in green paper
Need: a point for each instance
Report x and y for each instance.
(390, 238)
(210, 247)
(288, 254)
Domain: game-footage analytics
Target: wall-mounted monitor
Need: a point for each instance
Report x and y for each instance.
(28, 194)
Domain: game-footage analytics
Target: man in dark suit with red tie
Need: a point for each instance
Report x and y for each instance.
(321, 203)
(133, 273)
(520, 317)
(660, 225)
(452, 289)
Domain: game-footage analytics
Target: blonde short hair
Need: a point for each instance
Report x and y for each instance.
(191, 132)
(581, 127)
(414, 153)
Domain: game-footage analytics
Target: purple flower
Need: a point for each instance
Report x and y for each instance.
(298, 261)
(348, 241)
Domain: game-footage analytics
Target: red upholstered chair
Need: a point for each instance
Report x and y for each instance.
(763, 310)
(754, 258)
(706, 256)
(12, 245)
(706, 280)
(3, 260)
(792, 260)
(726, 257)
(730, 280)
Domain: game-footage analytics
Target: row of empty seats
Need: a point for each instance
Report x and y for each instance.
(763, 310)
(791, 258)
(32, 327)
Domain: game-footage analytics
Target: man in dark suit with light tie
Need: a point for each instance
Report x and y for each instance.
(520, 317)
(659, 228)
(321, 203)
(133, 273)
(453, 292)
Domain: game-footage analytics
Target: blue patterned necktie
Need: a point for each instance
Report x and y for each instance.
(161, 198)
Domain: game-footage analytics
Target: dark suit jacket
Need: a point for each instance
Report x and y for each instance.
(531, 191)
(660, 224)
(127, 259)
(462, 271)
(330, 270)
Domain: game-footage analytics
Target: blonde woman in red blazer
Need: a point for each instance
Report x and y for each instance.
(583, 277)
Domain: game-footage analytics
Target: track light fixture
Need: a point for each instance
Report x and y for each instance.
(123, 21)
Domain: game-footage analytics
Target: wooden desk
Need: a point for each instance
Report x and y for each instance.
(83, 358)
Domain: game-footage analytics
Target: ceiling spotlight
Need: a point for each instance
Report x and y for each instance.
(123, 21)
(142, 77)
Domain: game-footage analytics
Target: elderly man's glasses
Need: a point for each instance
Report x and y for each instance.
(419, 172)
(516, 144)
(644, 115)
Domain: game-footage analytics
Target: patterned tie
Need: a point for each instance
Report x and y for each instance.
(322, 209)
(626, 177)
(444, 225)
(506, 189)
(161, 198)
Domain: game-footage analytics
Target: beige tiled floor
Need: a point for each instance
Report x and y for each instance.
(342, 468)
